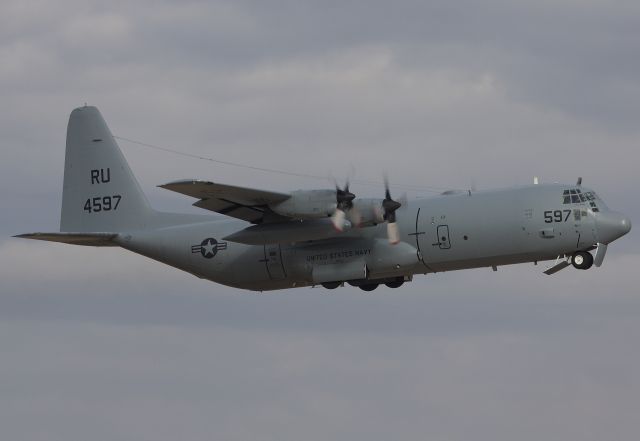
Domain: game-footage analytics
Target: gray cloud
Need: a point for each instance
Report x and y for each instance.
(108, 345)
(131, 382)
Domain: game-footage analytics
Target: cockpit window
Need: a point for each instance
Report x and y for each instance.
(576, 196)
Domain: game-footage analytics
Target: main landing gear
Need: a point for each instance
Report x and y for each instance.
(395, 283)
(582, 260)
(391, 284)
(368, 285)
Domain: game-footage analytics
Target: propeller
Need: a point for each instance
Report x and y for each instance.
(344, 199)
(389, 206)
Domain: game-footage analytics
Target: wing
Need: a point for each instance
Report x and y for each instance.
(247, 204)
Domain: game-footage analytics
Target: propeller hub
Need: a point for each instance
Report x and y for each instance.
(344, 198)
(390, 205)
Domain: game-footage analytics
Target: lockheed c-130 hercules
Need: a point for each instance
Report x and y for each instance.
(276, 240)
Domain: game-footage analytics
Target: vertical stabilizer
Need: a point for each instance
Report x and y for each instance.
(100, 192)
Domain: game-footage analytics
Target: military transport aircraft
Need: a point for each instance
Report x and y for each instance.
(322, 237)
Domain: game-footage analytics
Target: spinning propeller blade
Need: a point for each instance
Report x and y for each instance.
(344, 200)
(390, 206)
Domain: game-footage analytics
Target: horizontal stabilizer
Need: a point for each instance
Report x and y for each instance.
(87, 239)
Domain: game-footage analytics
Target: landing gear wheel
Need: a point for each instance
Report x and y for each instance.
(369, 287)
(395, 284)
(331, 285)
(582, 260)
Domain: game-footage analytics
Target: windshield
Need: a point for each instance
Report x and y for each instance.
(589, 199)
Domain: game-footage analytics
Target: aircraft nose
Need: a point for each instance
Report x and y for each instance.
(612, 225)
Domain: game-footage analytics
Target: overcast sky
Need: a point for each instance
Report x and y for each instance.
(104, 345)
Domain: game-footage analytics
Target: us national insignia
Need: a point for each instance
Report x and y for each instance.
(209, 247)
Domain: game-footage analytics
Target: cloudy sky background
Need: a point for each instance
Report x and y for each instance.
(101, 344)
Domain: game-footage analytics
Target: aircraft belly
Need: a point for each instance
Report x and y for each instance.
(349, 260)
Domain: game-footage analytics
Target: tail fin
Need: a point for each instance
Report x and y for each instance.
(100, 192)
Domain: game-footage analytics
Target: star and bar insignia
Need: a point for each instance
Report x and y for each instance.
(209, 247)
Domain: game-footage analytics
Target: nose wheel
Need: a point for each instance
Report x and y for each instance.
(582, 260)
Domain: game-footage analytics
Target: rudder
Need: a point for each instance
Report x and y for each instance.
(100, 192)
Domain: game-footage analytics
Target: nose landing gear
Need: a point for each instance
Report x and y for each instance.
(582, 260)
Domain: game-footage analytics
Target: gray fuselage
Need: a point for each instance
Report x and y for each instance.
(442, 233)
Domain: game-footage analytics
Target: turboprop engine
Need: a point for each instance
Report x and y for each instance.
(315, 204)
(345, 212)
(307, 204)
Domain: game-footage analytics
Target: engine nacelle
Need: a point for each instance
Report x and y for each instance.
(369, 212)
(307, 204)
(314, 204)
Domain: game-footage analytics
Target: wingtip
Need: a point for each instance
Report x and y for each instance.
(29, 235)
